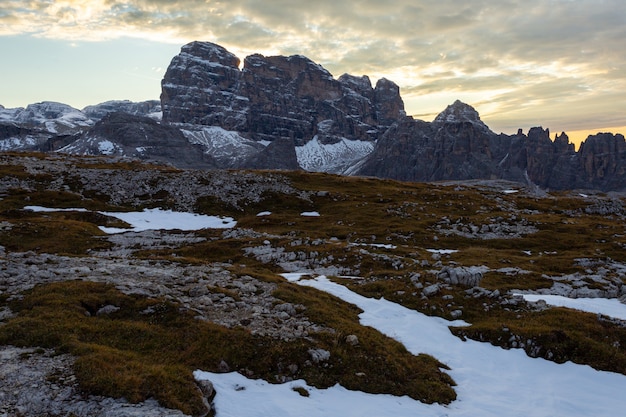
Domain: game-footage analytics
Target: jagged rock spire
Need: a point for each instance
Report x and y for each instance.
(458, 112)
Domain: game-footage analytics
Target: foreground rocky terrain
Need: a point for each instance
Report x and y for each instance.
(454, 249)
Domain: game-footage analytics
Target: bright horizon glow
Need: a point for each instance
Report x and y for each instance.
(556, 64)
(578, 136)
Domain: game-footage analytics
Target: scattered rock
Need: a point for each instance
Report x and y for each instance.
(223, 367)
(106, 310)
(467, 276)
(431, 290)
(455, 314)
(207, 388)
(352, 340)
(319, 355)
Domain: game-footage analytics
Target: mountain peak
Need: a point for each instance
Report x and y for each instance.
(210, 52)
(458, 112)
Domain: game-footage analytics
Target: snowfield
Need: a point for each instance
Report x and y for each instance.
(611, 308)
(156, 219)
(317, 157)
(490, 381)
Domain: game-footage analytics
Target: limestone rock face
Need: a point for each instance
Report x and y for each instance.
(201, 86)
(603, 161)
(457, 145)
(275, 97)
(139, 137)
(280, 154)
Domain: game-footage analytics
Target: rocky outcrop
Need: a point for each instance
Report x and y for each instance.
(201, 86)
(602, 161)
(280, 154)
(275, 97)
(462, 275)
(457, 145)
(150, 108)
(141, 138)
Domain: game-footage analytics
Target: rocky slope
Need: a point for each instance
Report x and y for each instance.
(455, 250)
(139, 137)
(48, 126)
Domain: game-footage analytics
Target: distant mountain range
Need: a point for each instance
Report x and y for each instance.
(290, 113)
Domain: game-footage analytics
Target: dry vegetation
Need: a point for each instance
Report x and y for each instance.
(136, 355)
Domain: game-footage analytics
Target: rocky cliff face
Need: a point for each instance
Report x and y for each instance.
(602, 161)
(457, 145)
(200, 87)
(275, 97)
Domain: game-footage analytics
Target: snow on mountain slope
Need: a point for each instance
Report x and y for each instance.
(335, 158)
(19, 143)
(150, 108)
(52, 116)
(93, 145)
(9, 115)
(227, 147)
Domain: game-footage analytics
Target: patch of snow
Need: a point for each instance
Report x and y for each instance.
(376, 245)
(9, 115)
(503, 160)
(15, 143)
(157, 115)
(310, 214)
(155, 219)
(293, 276)
(222, 144)
(442, 251)
(318, 157)
(510, 191)
(264, 213)
(238, 396)
(607, 307)
(41, 209)
(325, 125)
(106, 147)
(491, 382)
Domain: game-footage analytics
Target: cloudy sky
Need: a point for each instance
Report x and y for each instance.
(521, 63)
